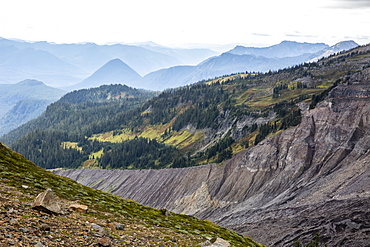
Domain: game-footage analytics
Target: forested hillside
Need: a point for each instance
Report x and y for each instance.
(79, 110)
(205, 122)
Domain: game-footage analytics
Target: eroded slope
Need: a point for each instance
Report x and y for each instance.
(312, 178)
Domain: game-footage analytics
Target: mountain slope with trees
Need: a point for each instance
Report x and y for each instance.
(79, 110)
(303, 185)
(206, 122)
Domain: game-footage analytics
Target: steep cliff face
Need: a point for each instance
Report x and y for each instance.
(312, 178)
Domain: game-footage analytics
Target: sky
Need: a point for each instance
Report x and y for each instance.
(180, 23)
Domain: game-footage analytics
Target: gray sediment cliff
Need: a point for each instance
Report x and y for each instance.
(311, 178)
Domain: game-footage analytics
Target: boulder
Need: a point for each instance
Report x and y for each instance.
(47, 202)
(218, 243)
(78, 207)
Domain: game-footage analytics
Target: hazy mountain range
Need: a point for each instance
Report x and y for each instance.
(147, 65)
(62, 65)
(24, 101)
(239, 59)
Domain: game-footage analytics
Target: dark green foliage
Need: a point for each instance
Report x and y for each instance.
(199, 117)
(289, 114)
(265, 130)
(278, 88)
(293, 118)
(81, 111)
(105, 93)
(224, 155)
(142, 153)
(45, 149)
(219, 147)
(320, 97)
(202, 100)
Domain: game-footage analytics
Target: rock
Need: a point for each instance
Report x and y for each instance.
(218, 243)
(47, 203)
(166, 212)
(13, 221)
(25, 187)
(45, 227)
(24, 230)
(79, 207)
(120, 227)
(116, 226)
(100, 231)
(104, 242)
(39, 244)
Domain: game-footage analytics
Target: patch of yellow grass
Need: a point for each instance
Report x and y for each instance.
(125, 134)
(91, 163)
(74, 145)
(325, 84)
(96, 154)
(225, 78)
(184, 138)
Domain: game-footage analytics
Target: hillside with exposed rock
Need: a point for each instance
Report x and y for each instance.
(39, 208)
(307, 181)
(207, 122)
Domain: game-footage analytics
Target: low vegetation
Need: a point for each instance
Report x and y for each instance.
(22, 174)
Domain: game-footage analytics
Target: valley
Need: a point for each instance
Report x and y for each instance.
(305, 181)
(280, 156)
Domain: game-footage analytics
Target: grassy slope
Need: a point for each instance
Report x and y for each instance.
(16, 171)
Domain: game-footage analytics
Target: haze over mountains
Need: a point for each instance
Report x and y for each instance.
(147, 66)
(62, 65)
(24, 101)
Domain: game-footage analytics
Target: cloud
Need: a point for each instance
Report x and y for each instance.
(298, 34)
(261, 34)
(351, 4)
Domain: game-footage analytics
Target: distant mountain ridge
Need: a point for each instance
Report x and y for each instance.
(66, 65)
(341, 46)
(24, 101)
(62, 65)
(113, 72)
(239, 59)
(284, 49)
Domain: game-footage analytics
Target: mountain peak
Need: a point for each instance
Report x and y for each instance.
(345, 45)
(31, 82)
(283, 49)
(114, 71)
(115, 64)
(115, 61)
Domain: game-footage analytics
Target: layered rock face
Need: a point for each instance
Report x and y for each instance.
(312, 178)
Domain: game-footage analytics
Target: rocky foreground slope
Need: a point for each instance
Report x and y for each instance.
(311, 179)
(66, 213)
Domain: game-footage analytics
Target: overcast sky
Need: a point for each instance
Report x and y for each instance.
(179, 22)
